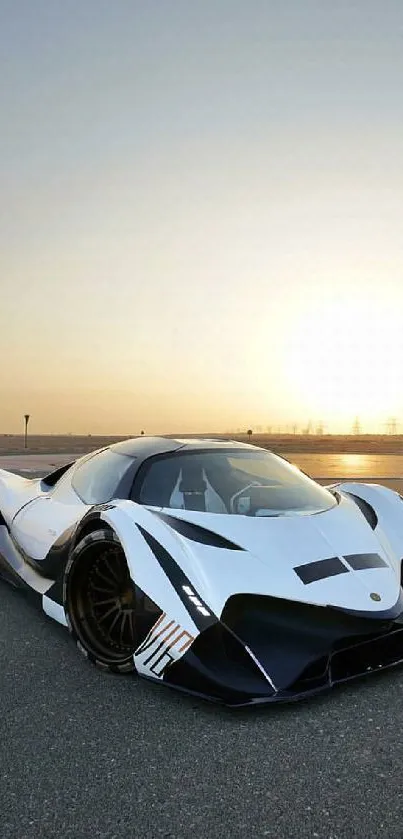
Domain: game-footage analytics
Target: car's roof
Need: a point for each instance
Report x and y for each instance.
(145, 447)
(212, 443)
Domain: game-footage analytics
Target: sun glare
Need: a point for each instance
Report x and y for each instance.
(354, 464)
(346, 359)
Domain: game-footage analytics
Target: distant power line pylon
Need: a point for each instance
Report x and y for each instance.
(356, 426)
(391, 425)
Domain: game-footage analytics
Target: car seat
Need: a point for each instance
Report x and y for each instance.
(193, 491)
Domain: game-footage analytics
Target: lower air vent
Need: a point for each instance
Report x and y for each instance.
(366, 656)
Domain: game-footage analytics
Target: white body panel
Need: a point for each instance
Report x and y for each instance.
(273, 547)
(175, 630)
(54, 610)
(389, 509)
(15, 492)
(144, 567)
(39, 524)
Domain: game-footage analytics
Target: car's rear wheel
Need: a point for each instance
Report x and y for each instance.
(100, 601)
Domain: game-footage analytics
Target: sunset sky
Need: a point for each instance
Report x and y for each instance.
(201, 214)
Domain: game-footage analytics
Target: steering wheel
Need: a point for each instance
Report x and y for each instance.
(237, 495)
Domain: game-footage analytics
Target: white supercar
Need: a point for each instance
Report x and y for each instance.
(214, 567)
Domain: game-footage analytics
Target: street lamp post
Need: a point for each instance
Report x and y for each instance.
(26, 417)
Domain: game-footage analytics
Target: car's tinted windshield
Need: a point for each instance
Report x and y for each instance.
(240, 482)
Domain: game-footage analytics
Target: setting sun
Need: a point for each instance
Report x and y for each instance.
(345, 359)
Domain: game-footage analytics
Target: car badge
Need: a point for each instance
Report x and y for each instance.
(375, 596)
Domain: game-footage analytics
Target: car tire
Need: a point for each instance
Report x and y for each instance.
(100, 601)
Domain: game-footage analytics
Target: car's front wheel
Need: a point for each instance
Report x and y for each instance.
(100, 601)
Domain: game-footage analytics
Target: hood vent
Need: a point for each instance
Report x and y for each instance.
(366, 510)
(197, 533)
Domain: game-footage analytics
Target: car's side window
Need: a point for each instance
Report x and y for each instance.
(158, 482)
(98, 478)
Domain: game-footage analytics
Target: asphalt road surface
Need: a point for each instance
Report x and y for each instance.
(88, 754)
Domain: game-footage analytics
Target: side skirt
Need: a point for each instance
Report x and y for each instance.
(54, 610)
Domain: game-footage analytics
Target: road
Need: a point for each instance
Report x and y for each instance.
(85, 754)
(98, 756)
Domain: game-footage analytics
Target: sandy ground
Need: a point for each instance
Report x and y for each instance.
(34, 462)
(282, 443)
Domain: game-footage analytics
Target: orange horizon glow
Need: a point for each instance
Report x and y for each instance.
(203, 244)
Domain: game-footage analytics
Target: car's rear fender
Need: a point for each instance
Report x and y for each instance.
(15, 492)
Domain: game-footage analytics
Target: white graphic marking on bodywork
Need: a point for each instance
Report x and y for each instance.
(166, 642)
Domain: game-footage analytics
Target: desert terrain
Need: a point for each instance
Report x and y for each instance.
(366, 444)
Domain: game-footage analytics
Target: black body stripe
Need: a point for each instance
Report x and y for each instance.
(197, 533)
(55, 592)
(179, 581)
(314, 571)
(358, 562)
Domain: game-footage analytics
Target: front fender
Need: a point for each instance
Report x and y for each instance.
(153, 557)
(388, 506)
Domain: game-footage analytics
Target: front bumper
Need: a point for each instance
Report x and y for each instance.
(269, 650)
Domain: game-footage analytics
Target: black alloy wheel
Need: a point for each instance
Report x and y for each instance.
(100, 601)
